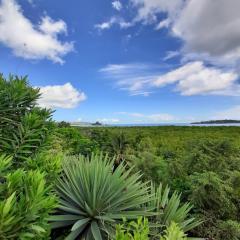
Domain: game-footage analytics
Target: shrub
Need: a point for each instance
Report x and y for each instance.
(92, 199)
(229, 230)
(169, 209)
(153, 168)
(173, 232)
(134, 230)
(139, 230)
(48, 162)
(75, 143)
(26, 207)
(209, 192)
(24, 128)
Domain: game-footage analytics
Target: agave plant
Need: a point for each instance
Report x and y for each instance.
(93, 199)
(169, 209)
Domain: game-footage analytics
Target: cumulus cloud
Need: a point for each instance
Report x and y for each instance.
(117, 5)
(206, 36)
(193, 78)
(31, 41)
(204, 31)
(209, 29)
(60, 96)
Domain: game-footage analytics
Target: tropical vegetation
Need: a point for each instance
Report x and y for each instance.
(133, 183)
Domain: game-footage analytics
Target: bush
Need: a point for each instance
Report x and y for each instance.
(26, 207)
(210, 193)
(74, 143)
(153, 168)
(24, 128)
(134, 230)
(169, 209)
(92, 199)
(229, 230)
(140, 231)
(25, 199)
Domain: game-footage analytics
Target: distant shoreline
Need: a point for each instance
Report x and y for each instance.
(226, 121)
(162, 125)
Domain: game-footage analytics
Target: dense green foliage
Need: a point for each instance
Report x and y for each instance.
(89, 181)
(169, 209)
(201, 162)
(139, 230)
(25, 199)
(134, 230)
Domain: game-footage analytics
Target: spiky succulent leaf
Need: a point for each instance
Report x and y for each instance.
(169, 209)
(93, 199)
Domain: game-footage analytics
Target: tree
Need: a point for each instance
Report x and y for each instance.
(119, 145)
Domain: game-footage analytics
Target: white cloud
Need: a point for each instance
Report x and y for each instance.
(113, 21)
(105, 25)
(141, 93)
(117, 5)
(60, 96)
(212, 29)
(31, 41)
(171, 54)
(108, 120)
(163, 24)
(193, 78)
(135, 78)
(206, 36)
(209, 29)
(148, 9)
(48, 26)
(231, 113)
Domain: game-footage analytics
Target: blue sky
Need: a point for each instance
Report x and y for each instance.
(126, 61)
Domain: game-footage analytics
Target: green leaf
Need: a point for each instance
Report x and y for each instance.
(95, 231)
(80, 223)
